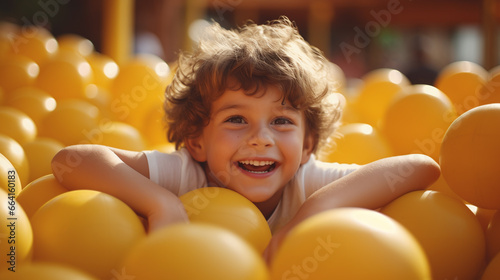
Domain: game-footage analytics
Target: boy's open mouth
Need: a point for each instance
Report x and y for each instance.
(256, 166)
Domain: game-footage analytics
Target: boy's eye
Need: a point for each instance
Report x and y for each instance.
(281, 120)
(236, 119)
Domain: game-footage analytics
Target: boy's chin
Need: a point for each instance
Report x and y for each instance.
(257, 195)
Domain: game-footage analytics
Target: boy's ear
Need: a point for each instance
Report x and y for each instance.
(307, 149)
(196, 148)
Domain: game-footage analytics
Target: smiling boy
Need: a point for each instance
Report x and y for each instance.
(247, 110)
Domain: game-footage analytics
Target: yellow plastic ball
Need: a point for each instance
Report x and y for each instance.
(14, 152)
(492, 270)
(377, 91)
(46, 271)
(39, 153)
(65, 76)
(417, 120)
(230, 210)
(89, 230)
(140, 84)
(35, 194)
(448, 231)
(120, 135)
(350, 243)
(75, 43)
(71, 122)
(350, 113)
(9, 178)
(17, 124)
(493, 236)
(17, 71)
(470, 156)
(101, 98)
(154, 127)
(104, 68)
(34, 102)
(16, 235)
(462, 81)
(143, 70)
(356, 143)
(194, 251)
(35, 42)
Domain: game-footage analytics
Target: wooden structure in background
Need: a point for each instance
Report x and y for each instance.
(319, 15)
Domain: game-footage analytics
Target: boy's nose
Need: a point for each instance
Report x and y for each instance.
(261, 137)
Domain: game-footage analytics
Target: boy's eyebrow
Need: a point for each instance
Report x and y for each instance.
(289, 108)
(239, 106)
(228, 107)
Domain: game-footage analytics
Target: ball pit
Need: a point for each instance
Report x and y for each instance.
(71, 94)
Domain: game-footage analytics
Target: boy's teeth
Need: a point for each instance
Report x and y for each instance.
(257, 162)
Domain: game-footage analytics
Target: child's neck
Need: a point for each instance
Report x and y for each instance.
(268, 207)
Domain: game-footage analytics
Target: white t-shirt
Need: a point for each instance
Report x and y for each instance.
(180, 173)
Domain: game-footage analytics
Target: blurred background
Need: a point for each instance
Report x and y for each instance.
(417, 37)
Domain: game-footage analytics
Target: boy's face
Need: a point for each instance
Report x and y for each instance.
(253, 144)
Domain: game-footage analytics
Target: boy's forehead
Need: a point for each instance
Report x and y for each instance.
(270, 92)
(237, 99)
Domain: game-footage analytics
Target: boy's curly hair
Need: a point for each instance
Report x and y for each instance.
(255, 56)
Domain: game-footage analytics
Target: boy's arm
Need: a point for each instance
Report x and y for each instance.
(372, 186)
(122, 174)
